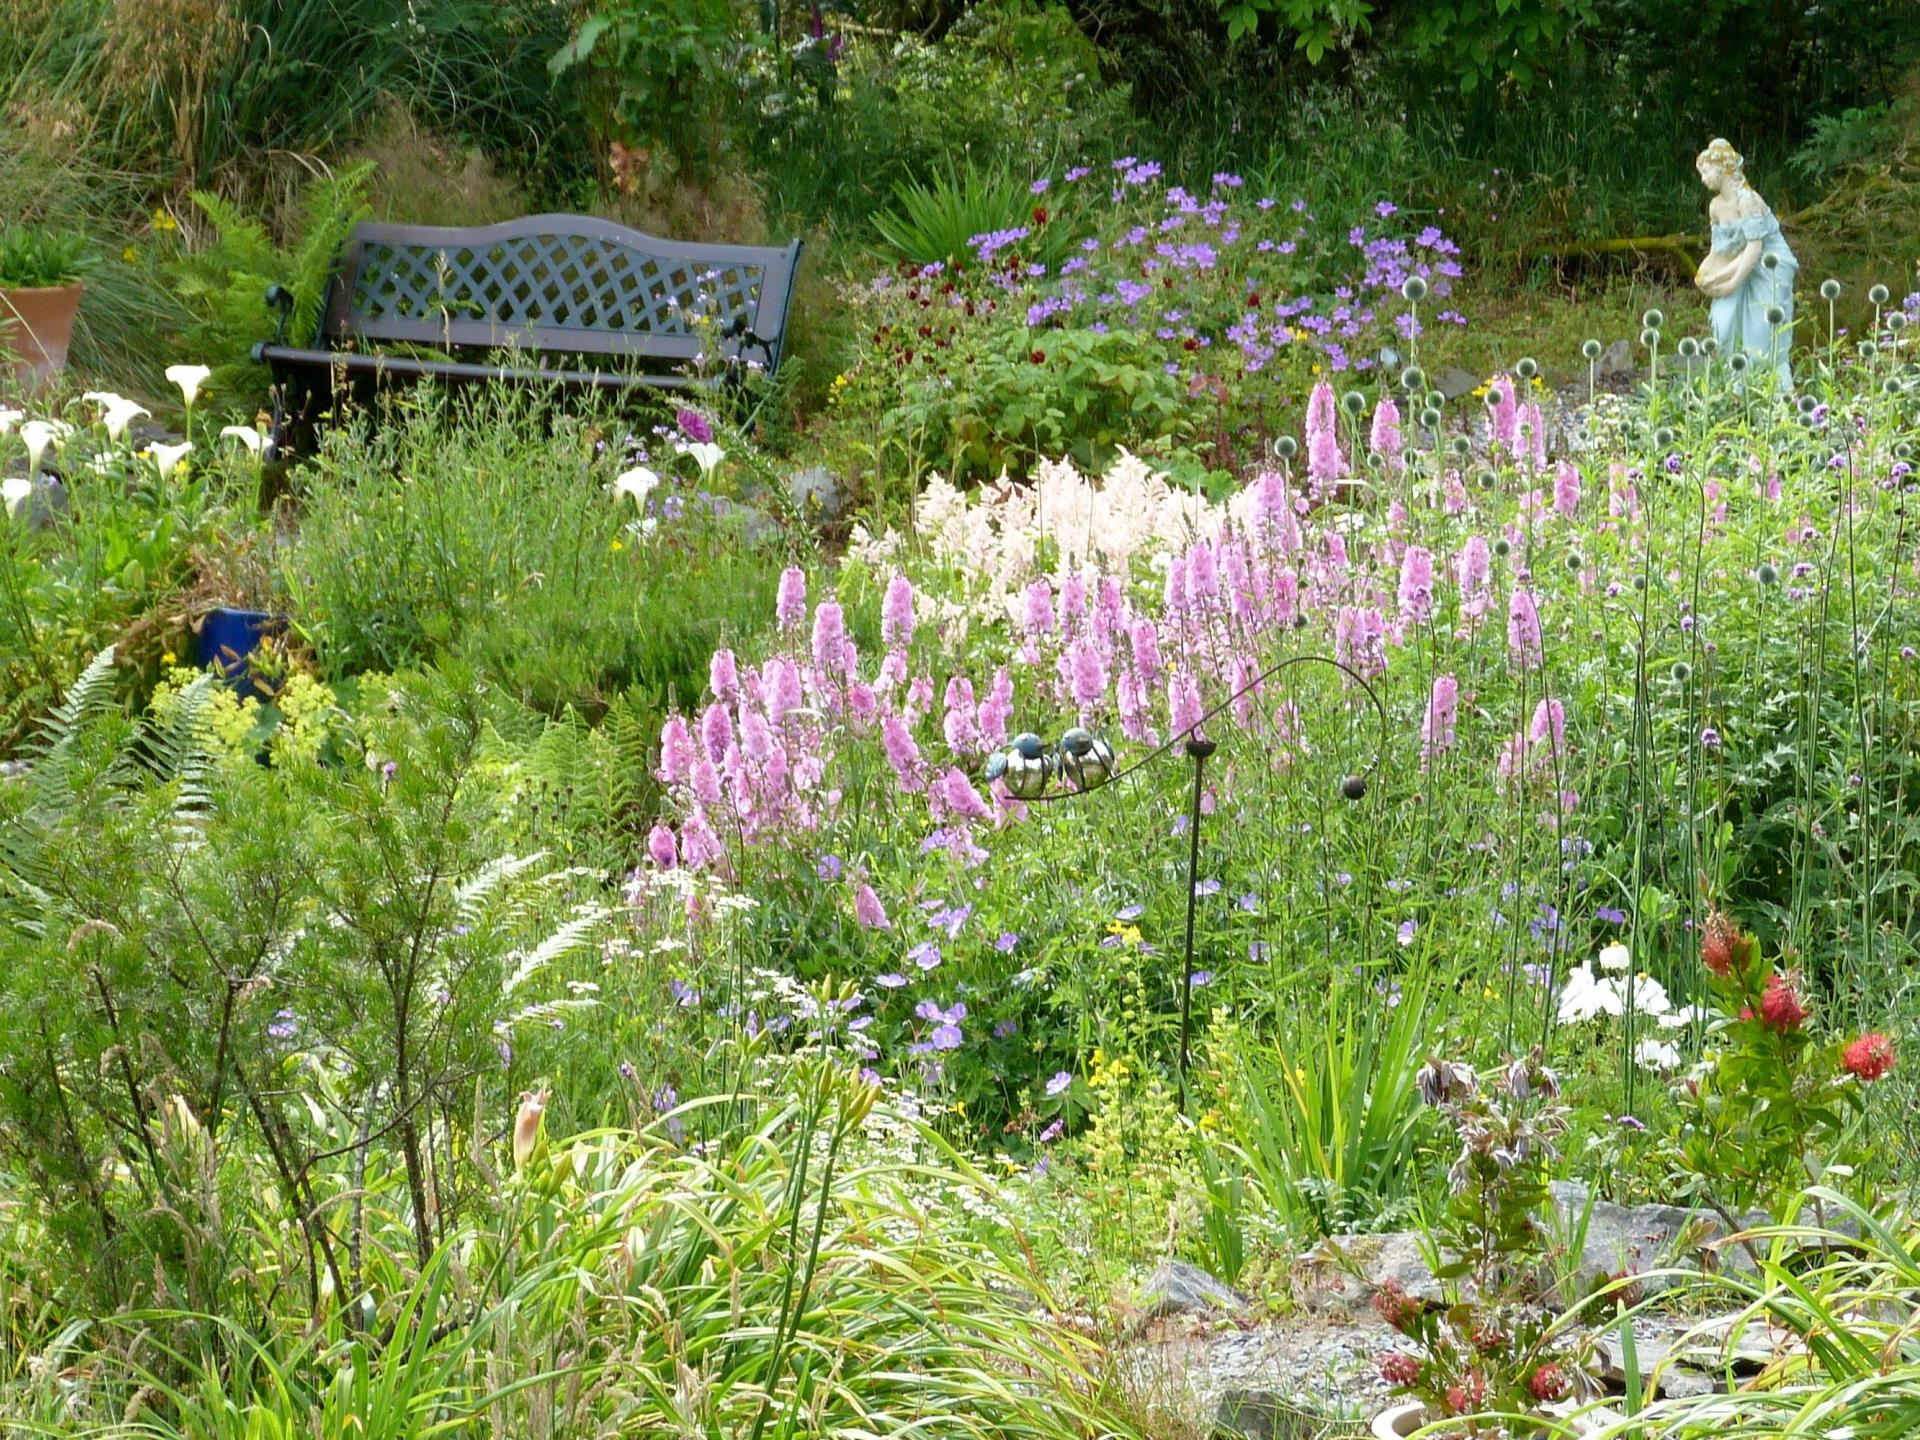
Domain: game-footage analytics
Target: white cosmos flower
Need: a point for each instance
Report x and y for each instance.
(189, 378)
(1585, 998)
(13, 490)
(706, 455)
(1662, 1056)
(247, 436)
(1615, 957)
(168, 457)
(638, 482)
(116, 411)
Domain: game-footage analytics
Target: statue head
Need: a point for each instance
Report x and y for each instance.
(1720, 162)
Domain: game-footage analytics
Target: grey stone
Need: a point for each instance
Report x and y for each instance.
(1453, 382)
(1177, 1288)
(1393, 1257)
(757, 526)
(1265, 1415)
(1616, 360)
(50, 501)
(816, 493)
(1634, 1239)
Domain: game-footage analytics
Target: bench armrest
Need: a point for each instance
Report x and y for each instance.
(280, 298)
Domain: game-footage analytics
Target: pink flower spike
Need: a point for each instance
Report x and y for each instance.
(868, 910)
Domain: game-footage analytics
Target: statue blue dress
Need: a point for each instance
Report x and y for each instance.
(1740, 319)
(1749, 272)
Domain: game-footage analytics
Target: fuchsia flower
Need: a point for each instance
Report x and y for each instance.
(902, 753)
(1324, 464)
(829, 637)
(1183, 704)
(1503, 415)
(868, 910)
(1472, 568)
(996, 710)
(1566, 490)
(1040, 608)
(1416, 585)
(662, 848)
(1436, 729)
(961, 731)
(961, 797)
(1089, 676)
(723, 676)
(1549, 726)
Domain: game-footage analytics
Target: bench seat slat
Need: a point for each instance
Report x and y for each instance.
(404, 367)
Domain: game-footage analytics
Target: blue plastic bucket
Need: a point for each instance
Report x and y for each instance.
(227, 639)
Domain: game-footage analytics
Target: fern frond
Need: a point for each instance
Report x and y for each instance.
(469, 897)
(568, 938)
(89, 695)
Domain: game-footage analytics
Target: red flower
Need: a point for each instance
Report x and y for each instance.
(1549, 1382)
(1190, 343)
(1869, 1058)
(1718, 945)
(1456, 1400)
(1399, 1368)
(1780, 1006)
(1253, 301)
(1487, 1338)
(1038, 357)
(1393, 1305)
(1039, 215)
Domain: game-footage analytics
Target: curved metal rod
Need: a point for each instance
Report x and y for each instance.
(1373, 698)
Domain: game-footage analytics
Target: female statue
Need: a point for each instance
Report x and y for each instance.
(1749, 273)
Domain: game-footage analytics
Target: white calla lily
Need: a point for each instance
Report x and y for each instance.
(116, 411)
(13, 490)
(189, 378)
(706, 455)
(247, 436)
(639, 483)
(38, 435)
(168, 457)
(10, 418)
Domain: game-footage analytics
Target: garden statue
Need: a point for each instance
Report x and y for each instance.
(1749, 272)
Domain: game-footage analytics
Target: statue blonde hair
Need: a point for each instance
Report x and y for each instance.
(1721, 154)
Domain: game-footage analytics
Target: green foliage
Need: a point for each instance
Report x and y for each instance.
(31, 258)
(1835, 142)
(657, 69)
(934, 223)
(483, 535)
(224, 283)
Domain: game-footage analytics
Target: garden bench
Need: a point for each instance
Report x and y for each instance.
(574, 302)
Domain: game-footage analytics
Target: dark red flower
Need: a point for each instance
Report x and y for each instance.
(1253, 301)
(1039, 215)
(1038, 357)
(1399, 1368)
(1393, 1305)
(1780, 1005)
(1869, 1058)
(1549, 1382)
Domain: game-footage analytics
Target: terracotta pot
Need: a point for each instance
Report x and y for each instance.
(36, 326)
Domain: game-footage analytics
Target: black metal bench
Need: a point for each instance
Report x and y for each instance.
(539, 288)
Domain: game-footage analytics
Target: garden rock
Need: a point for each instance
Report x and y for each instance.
(1616, 361)
(1177, 1288)
(49, 502)
(816, 493)
(1394, 1257)
(1453, 382)
(1638, 1238)
(756, 526)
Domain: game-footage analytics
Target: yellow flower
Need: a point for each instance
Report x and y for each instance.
(616, 547)
(129, 254)
(1129, 934)
(167, 658)
(164, 222)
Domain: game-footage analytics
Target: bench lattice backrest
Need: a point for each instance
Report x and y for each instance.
(559, 283)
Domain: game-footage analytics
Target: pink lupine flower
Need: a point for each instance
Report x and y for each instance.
(1239, 679)
(829, 637)
(1525, 646)
(1131, 700)
(1504, 416)
(1472, 567)
(1203, 581)
(862, 703)
(676, 751)
(1173, 592)
(716, 731)
(1239, 582)
(1073, 602)
(1416, 585)
(919, 699)
(896, 613)
(961, 797)
(1089, 676)
(1385, 438)
(705, 781)
(1040, 608)
(699, 846)
(1359, 635)
(996, 710)
(902, 754)
(723, 676)
(1549, 726)
(958, 726)
(1443, 707)
(1109, 612)
(1566, 490)
(1324, 464)
(790, 604)
(1183, 705)
(662, 849)
(1286, 597)
(1533, 436)
(1145, 643)
(780, 679)
(756, 740)
(868, 910)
